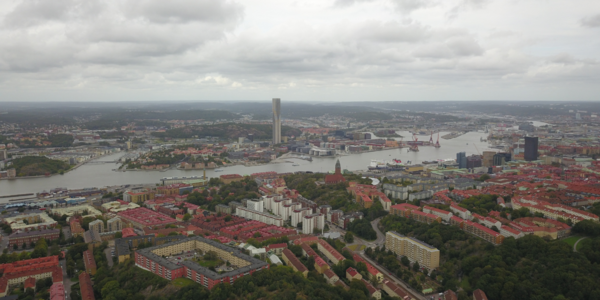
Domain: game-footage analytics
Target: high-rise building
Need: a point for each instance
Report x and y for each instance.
(97, 226)
(531, 148)
(276, 121)
(501, 159)
(488, 158)
(461, 160)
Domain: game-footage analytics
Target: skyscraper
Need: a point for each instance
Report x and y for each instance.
(276, 121)
(461, 160)
(531, 148)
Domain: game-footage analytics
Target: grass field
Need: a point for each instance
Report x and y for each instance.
(356, 247)
(182, 282)
(210, 263)
(571, 240)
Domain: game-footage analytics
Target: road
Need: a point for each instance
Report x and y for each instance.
(579, 240)
(380, 236)
(387, 275)
(66, 280)
(109, 258)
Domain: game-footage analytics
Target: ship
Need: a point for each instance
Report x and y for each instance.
(437, 143)
(295, 165)
(218, 170)
(377, 164)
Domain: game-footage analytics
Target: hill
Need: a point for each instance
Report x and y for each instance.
(38, 165)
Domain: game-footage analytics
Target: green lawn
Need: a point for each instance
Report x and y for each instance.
(356, 247)
(210, 263)
(581, 243)
(182, 282)
(571, 240)
(465, 283)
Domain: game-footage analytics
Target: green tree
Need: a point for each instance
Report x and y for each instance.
(349, 237)
(186, 217)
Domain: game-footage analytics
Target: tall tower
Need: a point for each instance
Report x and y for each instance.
(338, 167)
(276, 121)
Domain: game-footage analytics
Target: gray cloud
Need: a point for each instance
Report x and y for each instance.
(346, 3)
(181, 11)
(593, 21)
(221, 47)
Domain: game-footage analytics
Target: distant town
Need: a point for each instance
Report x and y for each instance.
(480, 223)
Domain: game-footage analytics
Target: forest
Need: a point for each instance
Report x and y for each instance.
(38, 165)
(528, 268)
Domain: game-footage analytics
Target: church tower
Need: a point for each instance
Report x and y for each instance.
(338, 167)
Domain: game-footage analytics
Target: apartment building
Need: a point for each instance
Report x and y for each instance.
(327, 250)
(114, 224)
(291, 260)
(445, 215)
(89, 262)
(97, 226)
(259, 216)
(483, 232)
(313, 222)
(416, 251)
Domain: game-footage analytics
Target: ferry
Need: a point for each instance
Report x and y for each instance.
(377, 164)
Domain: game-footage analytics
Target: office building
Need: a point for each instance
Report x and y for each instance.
(416, 251)
(488, 158)
(474, 161)
(531, 148)
(501, 159)
(461, 160)
(276, 121)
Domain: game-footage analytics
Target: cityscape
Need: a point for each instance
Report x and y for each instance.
(265, 150)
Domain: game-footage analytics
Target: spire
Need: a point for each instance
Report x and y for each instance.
(338, 167)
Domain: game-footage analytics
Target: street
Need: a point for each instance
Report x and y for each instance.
(380, 236)
(66, 280)
(386, 273)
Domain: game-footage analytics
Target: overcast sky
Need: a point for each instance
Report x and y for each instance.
(320, 50)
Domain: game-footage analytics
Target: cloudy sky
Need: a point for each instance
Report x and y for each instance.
(319, 50)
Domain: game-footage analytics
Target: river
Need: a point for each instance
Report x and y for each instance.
(101, 175)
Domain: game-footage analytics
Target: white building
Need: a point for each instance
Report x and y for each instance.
(258, 216)
(298, 215)
(255, 205)
(463, 213)
(312, 222)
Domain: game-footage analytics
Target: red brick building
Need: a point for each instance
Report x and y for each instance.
(28, 272)
(337, 177)
(85, 285)
(32, 236)
(89, 262)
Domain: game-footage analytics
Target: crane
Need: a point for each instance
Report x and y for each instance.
(477, 149)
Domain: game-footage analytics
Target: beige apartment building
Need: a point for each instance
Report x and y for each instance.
(416, 251)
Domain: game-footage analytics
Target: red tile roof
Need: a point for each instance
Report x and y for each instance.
(85, 284)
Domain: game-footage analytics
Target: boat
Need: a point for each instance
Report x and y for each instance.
(467, 143)
(295, 165)
(377, 164)
(218, 170)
